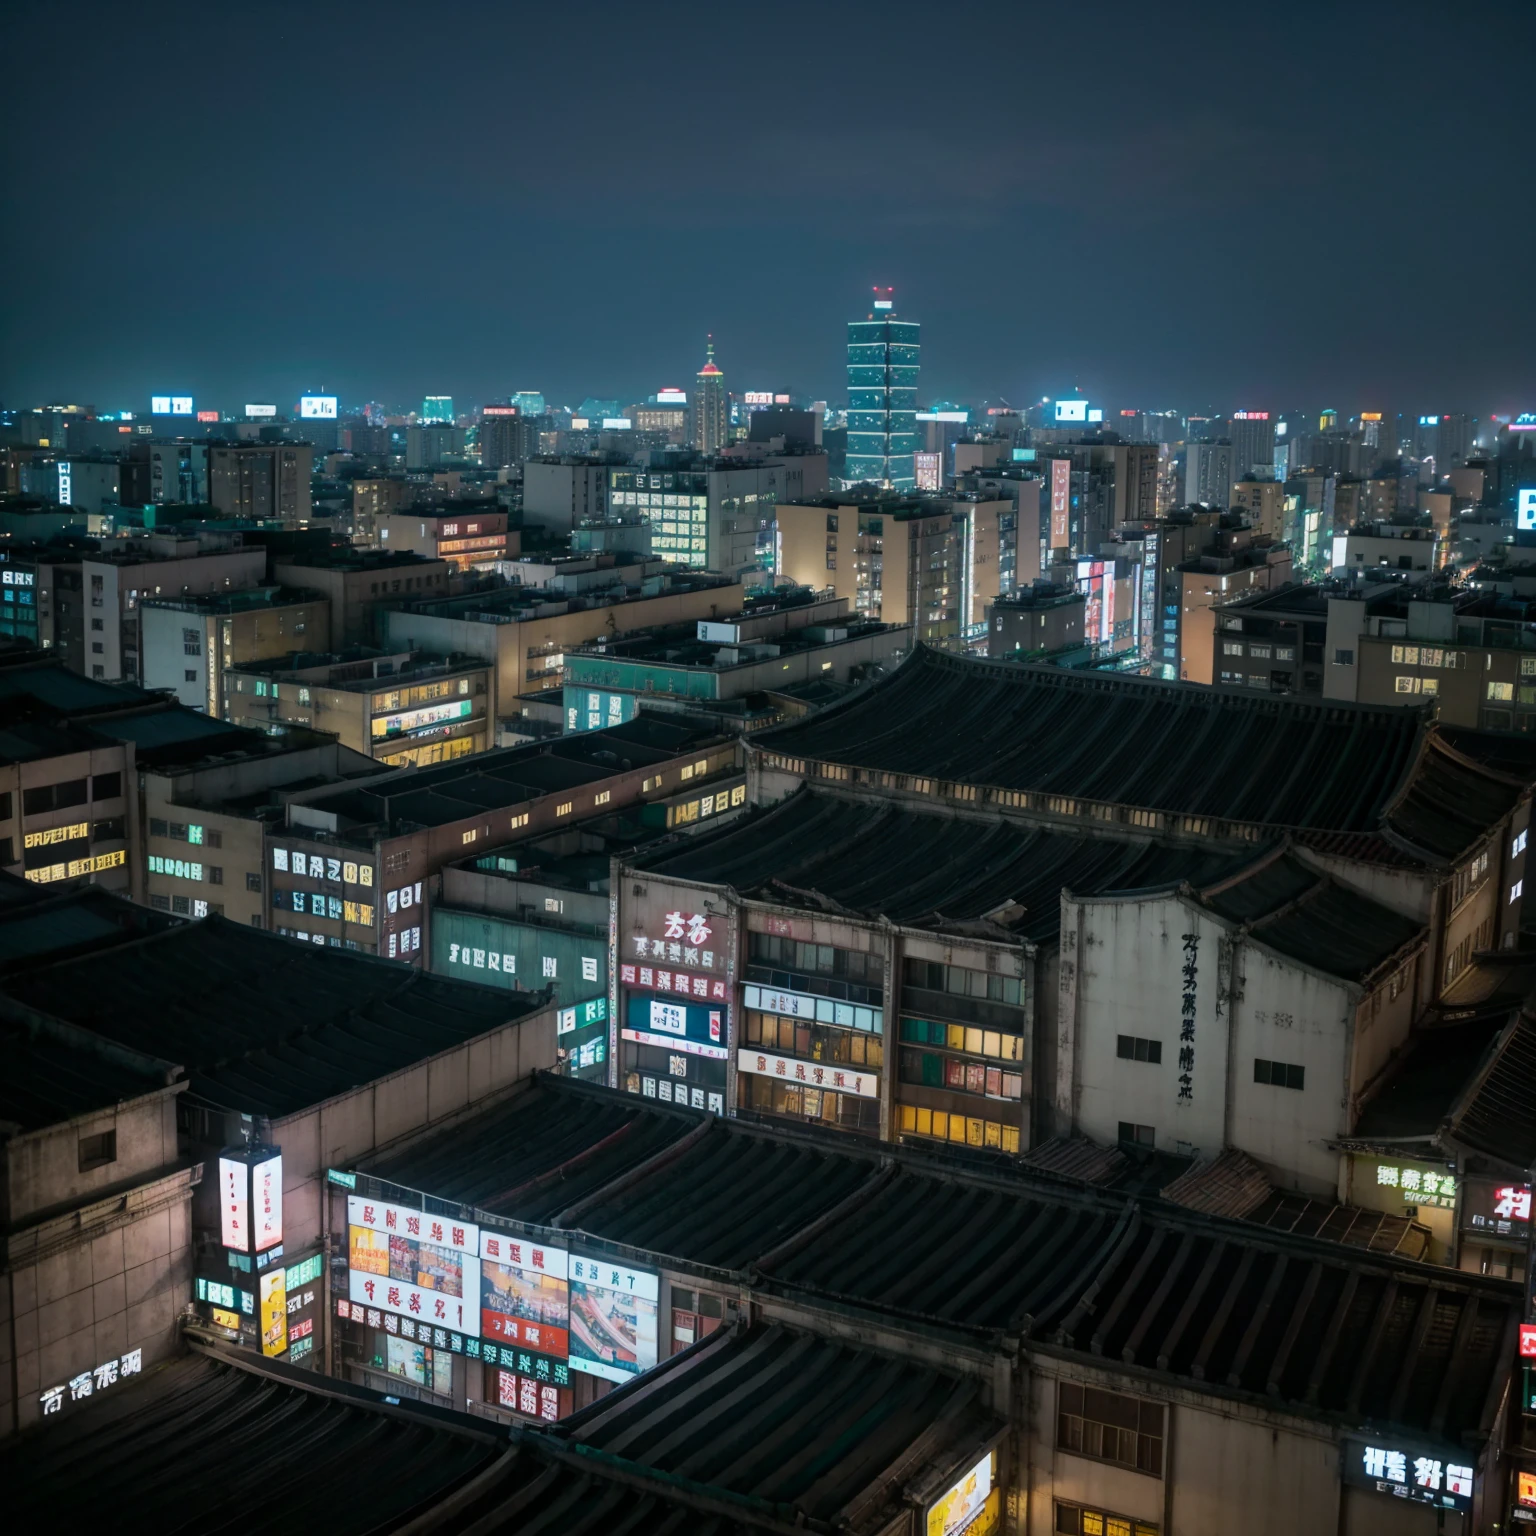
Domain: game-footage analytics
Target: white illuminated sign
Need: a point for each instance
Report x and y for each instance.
(1071, 410)
(267, 1203)
(883, 304)
(159, 405)
(1525, 508)
(96, 1380)
(318, 407)
(671, 397)
(437, 1246)
(943, 415)
(261, 410)
(181, 405)
(808, 1074)
(616, 423)
(66, 484)
(1405, 1474)
(234, 1205)
(758, 397)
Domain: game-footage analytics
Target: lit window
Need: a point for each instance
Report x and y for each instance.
(1501, 692)
(1516, 889)
(603, 798)
(1518, 846)
(471, 835)
(520, 820)
(564, 810)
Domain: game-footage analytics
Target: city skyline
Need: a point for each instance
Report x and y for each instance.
(1175, 235)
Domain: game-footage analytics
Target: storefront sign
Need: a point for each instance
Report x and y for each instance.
(1408, 1473)
(613, 1319)
(866, 1085)
(685, 1027)
(525, 1295)
(523, 1394)
(1496, 1210)
(682, 982)
(1418, 1185)
(1528, 1341)
(594, 1011)
(95, 1380)
(962, 1508)
(824, 1010)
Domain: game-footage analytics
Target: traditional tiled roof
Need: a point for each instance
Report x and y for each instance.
(264, 1024)
(1322, 1328)
(1172, 748)
(828, 852)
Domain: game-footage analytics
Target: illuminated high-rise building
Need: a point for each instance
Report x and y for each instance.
(882, 398)
(437, 408)
(529, 401)
(710, 408)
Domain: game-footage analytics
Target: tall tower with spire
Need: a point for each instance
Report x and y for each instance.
(883, 357)
(709, 409)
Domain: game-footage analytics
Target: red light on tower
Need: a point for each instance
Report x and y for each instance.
(885, 298)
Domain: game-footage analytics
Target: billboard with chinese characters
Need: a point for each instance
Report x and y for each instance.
(525, 1294)
(1418, 1184)
(1061, 503)
(692, 1028)
(812, 1074)
(317, 408)
(1426, 1476)
(274, 1311)
(97, 1379)
(235, 1204)
(414, 1264)
(1525, 507)
(965, 1506)
(613, 1318)
(1496, 1208)
(267, 1203)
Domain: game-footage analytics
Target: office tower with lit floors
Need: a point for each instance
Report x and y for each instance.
(882, 398)
(709, 407)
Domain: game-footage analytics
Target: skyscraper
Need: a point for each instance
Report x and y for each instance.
(437, 408)
(709, 408)
(882, 398)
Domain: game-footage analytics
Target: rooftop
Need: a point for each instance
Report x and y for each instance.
(1175, 748)
(867, 858)
(501, 779)
(263, 1024)
(1328, 1331)
(245, 601)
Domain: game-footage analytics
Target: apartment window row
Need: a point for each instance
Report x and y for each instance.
(690, 770)
(968, 1038)
(1110, 1426)
(187, 906)
(930, 1071)
(814, 1042)
(816, 959)
(1427, 656)
(1469, 877)
(847, 1111)
(42, 798)
(1076, 1520)
(1279, 1074)
(960, 1130)
(1410, 683)
(963, 981)
(319, 905)
(1134, 1048)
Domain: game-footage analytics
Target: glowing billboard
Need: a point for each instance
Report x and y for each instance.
(318, 407)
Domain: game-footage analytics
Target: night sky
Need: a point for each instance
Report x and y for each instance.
(1272, 205)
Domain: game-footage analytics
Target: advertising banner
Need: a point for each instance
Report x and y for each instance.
(692, 1028)
(417, 1265)
(234, 1204)
(525, 1295)
(961, 1508)
(613, 1319)
(274, 1311)
(1061, 503)
(267, 1203)
(866, 1085)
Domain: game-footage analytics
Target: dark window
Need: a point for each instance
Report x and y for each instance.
(7, 810)
(7, 851)
(98, 1150)
(108, 831)
(157, 827)
(181, 905)
(252, 882)
(189, 677)
(52, 797)
(1134, 1048)
(1110, 1426)
(160, 903)
(70, 792)
(1279, 1074)
(215, 874)
(97, 648)
(256, 922)
(1137, 1135)
(107, 786)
